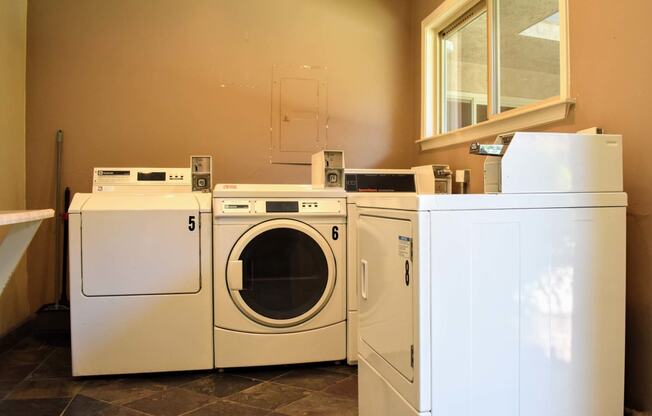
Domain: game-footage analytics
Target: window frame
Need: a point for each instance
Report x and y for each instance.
(527, 116)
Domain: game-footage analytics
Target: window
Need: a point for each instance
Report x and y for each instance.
(491, 67)
(464, 68)
(527, 52)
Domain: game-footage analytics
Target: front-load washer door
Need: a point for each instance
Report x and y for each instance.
(281, 273)
(140, 244)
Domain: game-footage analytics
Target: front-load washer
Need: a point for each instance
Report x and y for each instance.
(140, 273)
(279, 274)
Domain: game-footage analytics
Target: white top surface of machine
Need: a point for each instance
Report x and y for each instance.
(414, 202)
(275, 191)
(140, 202)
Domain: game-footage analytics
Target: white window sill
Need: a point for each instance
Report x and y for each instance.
(521, 118)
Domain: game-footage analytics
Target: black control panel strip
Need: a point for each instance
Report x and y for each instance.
(379, 182)
(151, 176)
(282, 206)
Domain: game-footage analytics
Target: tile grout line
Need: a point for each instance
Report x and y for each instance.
(185, 386)
(167, 390)
(243, 390)
(26, 376)
(317, 392)
(245, 405)
(226, 398)
(140, 412)
(63, 411)
(345, 377)
(218, 399)
(124, 405)
(116, 403)
(296, 387)
(12, 348)
(258, 379)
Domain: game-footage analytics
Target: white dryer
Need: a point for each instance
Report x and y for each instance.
(280, 274)
(504, 304)
(394, 182)
(140, 273)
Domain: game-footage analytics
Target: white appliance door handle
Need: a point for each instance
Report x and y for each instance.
(364, 279)
(234, 275)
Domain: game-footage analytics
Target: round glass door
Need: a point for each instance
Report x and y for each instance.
(281, 273)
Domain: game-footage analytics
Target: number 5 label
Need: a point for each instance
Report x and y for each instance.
(191, 223)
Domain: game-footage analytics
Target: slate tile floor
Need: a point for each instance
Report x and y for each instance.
(35, 380)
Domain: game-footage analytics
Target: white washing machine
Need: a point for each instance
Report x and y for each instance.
(141, 273)
(502, 304)
(357, 182)
(279, 274)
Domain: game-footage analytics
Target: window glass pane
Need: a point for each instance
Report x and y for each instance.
(459, 112)
(285, 273)
(528, 35)
(464, 71)
(481, 110)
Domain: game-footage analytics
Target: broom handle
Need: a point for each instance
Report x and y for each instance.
(57, 229)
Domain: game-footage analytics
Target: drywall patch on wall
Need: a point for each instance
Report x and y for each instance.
(14, 300)
(299, 113)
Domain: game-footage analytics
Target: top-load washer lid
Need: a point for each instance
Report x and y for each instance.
(140, 244)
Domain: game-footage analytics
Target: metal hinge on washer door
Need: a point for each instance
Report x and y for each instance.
(412, 356)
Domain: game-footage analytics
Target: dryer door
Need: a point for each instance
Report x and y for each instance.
(386, 317)
(140, 244)
(281, 273)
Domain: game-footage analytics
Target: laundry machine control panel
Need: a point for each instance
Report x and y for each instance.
(139, 179)
(279, 206)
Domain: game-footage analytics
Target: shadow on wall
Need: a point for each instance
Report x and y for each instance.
(638, 357)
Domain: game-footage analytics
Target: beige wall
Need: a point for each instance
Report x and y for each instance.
(139, 83)
(14, 300)
(611, 62)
